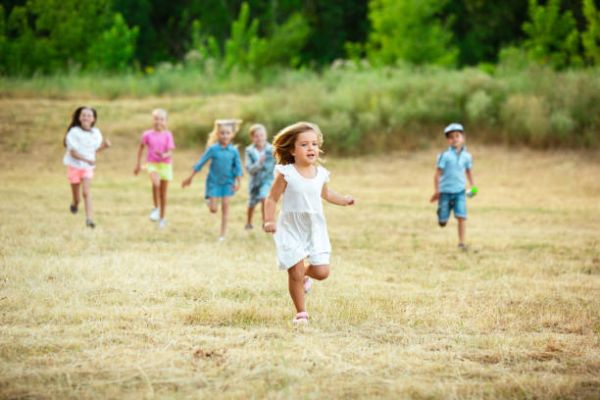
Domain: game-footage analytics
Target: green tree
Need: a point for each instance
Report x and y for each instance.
(552, 36)
(115, 48)
(411, 31)
(591, 37)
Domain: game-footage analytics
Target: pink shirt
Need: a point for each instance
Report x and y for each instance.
(158, 142)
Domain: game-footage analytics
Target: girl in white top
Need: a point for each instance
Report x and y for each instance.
(82, 141)
(301, 231)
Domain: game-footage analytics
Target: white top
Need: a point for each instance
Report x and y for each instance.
(86, 143)
(302, 194)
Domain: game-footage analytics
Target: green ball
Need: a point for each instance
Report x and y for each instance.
(474, 190)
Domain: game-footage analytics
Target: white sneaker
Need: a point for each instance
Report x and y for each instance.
(162, 224)
(221, 239)
(155, 214)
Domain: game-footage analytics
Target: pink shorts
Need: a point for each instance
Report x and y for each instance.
(76, 175)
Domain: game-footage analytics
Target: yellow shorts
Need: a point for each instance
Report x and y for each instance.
(164, 170)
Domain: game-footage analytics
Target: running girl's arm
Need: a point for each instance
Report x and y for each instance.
(104, 145)
(336, 198)
(78, 156)
(237, 171)
(277, 189)
(436, 185)
(138, 164)
(169, 152)
(197, 167)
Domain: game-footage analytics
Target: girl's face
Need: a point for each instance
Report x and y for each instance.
(456, 139)
(225, 135)
(159, 121)
(86, 119)
(259, 137)
(306, 148)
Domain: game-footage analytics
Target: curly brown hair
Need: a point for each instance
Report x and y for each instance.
(285, 140)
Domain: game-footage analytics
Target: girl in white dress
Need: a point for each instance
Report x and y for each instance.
(301, 231)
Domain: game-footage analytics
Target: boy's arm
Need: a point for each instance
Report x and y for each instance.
(335, 198)
(436, 185)
(279, 185)
(138, 163)
(470, 177)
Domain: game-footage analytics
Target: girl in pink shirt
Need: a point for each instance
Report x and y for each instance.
(160, 144)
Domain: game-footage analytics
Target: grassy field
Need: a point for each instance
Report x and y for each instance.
(127, 311)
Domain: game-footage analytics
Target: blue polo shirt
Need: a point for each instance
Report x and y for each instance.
(453, 165)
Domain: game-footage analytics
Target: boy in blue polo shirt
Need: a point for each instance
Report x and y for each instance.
(449, 180)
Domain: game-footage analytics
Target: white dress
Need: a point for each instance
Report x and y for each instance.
(302, 229)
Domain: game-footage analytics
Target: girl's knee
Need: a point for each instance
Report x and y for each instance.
(320, 272)
(213, 209)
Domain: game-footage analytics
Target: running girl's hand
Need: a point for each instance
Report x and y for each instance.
(236, 187)
(92, 163)
(349, 200)
(137, 169)
(435, 197)
(186, 182)
(107, 143)
(269, 227)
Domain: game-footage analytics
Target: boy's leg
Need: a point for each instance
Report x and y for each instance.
(460, 212)
(249, 215)
(87, 197)
(163, 197)
(224, 214)
(443, 210)
(462, 226)
(296, 285)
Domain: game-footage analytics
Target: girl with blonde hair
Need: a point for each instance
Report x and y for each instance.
(223, 178)
(301, 231)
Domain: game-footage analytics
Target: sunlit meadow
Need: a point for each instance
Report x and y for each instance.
(129, 311)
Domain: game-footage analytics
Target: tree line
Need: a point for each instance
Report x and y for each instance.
(57, 36)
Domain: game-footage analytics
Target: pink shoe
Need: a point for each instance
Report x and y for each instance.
(301, 318)
(307, 284)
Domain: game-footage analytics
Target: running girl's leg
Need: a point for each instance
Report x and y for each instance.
(75, 193)
(163, 197)
(224, 215)
(155, 188)
(87, 198)
(212, 204)
(318, 272)
(296, 285)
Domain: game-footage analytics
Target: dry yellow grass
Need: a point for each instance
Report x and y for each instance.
(126, 311)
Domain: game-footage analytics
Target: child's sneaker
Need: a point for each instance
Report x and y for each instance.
(248, 227)
(73, 208)
(162, 224)
(307, 284)
(90, 224)
(463, 247)
(301, 318)
(155, 214)
(221, 239)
